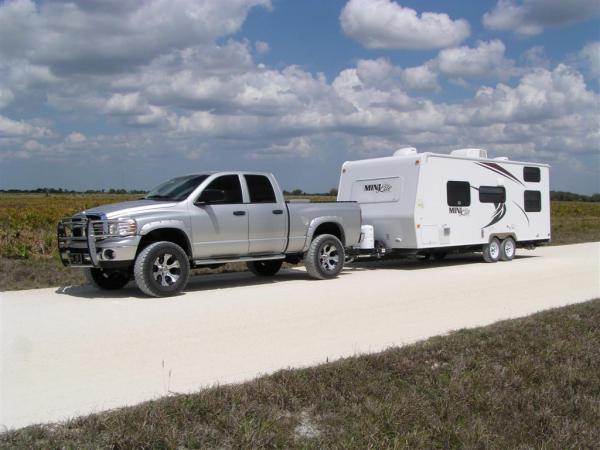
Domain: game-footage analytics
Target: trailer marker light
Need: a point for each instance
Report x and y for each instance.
(417, 162)
(418, 225)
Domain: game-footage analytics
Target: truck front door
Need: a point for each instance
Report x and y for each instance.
(219, 220)
(267, 217)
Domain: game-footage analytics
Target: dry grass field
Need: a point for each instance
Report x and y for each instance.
(525, 383)
(28, 249)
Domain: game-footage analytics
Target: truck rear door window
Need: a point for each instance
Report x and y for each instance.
(260, 189)
(492, 194)
(533, 201)
(531, 174)
(459, 193)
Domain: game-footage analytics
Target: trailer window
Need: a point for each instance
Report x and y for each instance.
(531, 174)
(533, 201)
(492, 194)
(459, 193)
(260, 189)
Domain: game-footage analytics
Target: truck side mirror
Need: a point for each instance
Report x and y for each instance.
(210, 196)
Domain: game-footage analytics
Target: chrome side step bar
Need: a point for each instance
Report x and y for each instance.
(206, 262)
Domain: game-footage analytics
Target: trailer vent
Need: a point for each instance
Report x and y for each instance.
(406, 151)
(470, 152)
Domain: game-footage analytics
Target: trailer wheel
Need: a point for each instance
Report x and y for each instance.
(508, 249)
(162, 269)
(491, 251)
(109, 280)
(325, 257)
(264, 268)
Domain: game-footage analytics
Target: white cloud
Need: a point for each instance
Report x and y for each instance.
(262, 47)
(484, 61)
(420, 78)
(6, 97)
(20, 128)
(386, 24)
(112, 37)
(298, 147)
(76, 138)
(590, 55)
(530, 17)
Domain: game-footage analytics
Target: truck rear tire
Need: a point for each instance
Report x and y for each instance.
(264, 268)
(162, 269)
(110, 279)
(325, 257)
(507, 249)
(491, 251)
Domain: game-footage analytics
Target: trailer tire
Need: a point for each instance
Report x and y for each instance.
(266, 268)
(508, 248)
(491, 251)
(162, 269)
(110, 280)
(325, 257)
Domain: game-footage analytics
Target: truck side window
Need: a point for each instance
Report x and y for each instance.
(531, 174)
(459, 193)
(229, 185)
(260, 188)
(533, 201)
(492, 194)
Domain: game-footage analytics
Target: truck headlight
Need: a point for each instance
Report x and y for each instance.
(122, 227)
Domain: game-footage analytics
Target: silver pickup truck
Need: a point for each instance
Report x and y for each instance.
(206, 219)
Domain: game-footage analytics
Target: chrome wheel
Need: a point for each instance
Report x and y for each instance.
(494, 250)
(166, 269)
(329, 257)
(509, 248)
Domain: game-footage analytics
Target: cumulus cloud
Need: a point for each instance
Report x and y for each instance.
(21, 128)
(486, 60)
(530, 17)
(386, 24)
(262, 47)
(112, 37)
(6, 97)
(590, 57)
(75, 138)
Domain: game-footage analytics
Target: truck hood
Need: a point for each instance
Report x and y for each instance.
(129, 209)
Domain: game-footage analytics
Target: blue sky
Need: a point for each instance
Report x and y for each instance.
(121, 93)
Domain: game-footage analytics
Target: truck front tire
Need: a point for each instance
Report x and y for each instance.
(162, 269)
(109, 279)
(264, 268)
(325, 257)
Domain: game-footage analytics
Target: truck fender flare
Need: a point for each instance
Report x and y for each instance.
(155, 225)
(314, 224)
(170, 224)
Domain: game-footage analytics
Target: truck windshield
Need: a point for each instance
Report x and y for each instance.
(176, 189)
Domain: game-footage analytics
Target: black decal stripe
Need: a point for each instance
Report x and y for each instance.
(523, 211)
(500, 171)
(499, 213)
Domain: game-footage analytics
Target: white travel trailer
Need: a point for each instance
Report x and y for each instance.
(432, 204)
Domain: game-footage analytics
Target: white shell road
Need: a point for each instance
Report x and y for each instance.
(71, 351)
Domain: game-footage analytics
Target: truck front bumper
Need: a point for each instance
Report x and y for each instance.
(81, 243)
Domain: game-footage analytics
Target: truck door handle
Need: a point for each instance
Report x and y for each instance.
(278, 211)
(239, 213)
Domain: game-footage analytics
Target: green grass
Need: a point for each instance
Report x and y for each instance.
(28, 233)
(525, 383)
